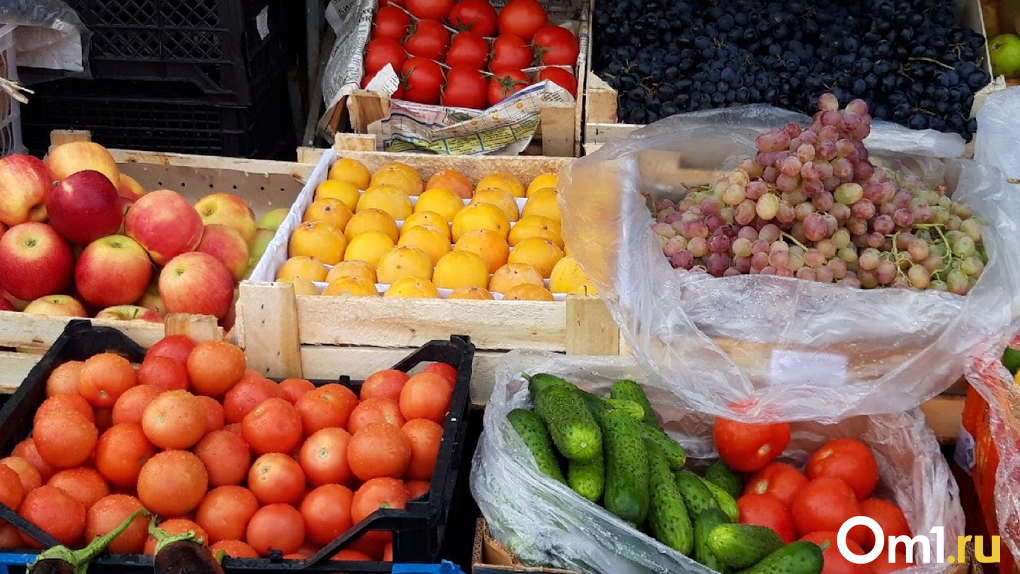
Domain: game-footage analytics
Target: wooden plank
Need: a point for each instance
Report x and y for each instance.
(557, 123)
(58, 137)
(39, 332)
(355, 142)
(944, 414)
(14, 367)
(270, 329)
(591, 329)
(198, 327)
(366, 108)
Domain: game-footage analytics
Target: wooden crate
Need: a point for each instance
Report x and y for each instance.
(600, 108)
(266, 185)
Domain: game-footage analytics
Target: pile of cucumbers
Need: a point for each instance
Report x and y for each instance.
(615, 453)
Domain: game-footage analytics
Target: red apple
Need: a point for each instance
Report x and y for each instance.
(165, 224)
(129, 189)
(84, 207)
(197, 284)
(34, 261)
(129, 313)
(152, 300)
(113, 270)
(227, 245)
(56, 306)
(229, 210)
(3, 229)
(73, 157)
(24, 184)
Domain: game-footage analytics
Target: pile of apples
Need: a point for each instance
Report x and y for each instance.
(79, 238)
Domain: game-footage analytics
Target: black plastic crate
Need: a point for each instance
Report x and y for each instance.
(418, 530)
(229, 49)
(161, 117)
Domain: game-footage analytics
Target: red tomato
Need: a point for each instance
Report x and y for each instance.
(247, 394)
(882, 565)
(57, 513)
(276, 527)
(391, 22)
(177, 347)
(560, 77)
(764, 510)
(556, 46)
(834, 561)
(327, 512)
(423, 80)
(522, 18)
(778, 480)
(443, 370)
(386, 384)
(478, 16)
(465, 88)
(428, 39)
(323, 457)
(847, 459)
(294, 389)
(824, 504)
(468, 49)
(382, 51)
(429, 9)
(276, 478)
(510, 53)
(748, 447)
(887, 515)
(506, 83)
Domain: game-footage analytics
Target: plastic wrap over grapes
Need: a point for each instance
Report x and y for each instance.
(545, 523)
(741, 252)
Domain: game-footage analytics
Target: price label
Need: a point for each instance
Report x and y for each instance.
(811, 369)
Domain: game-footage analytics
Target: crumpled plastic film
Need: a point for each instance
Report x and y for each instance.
(543, 522)
(990, 378)
(50, 35)
(776, 348)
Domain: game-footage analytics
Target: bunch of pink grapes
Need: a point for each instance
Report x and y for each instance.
(811, 205)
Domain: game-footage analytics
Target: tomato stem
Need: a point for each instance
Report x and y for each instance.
(79, 559)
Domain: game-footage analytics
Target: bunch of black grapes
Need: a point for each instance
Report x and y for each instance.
(905, 58)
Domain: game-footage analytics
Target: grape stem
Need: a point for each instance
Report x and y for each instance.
(931, 61)
(791, 238)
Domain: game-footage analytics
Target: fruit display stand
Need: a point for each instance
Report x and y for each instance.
(266, 185)
(600, 109)
(560, 124)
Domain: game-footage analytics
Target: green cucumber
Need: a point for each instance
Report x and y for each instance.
(704, 524)
(542, 381)
(626, 493)
(588, 478)
(534, 434)
(631, 391)
(795, 558)
(571, 426)
(696, 495)
(741, 545)
(724, 500)
(726, 478)
(676, 456)
(634, 410)
(667, 515)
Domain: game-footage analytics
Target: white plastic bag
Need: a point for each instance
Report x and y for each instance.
(543, 522)
(775, 348)
(999, 124)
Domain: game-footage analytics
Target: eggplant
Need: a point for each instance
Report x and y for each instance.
(182, 553)
(63, 560)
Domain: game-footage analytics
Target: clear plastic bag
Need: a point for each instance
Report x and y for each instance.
(543, 522)
(990, 378)
(775, 348)
(50, 35)
(998, 124)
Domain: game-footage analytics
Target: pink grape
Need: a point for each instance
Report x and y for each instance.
(682, 260)
(805, 273)
(814, 227)
(883, 224)
(742, 264)
(863, 209)
(759, 246)
(790, 166)
(803, 210)
(719, 243)
(784, 272)
(767, 206)
(698, 246)
(827, 102)
(749, 233)
(759, 261)
(813, 187)
(826, 150)
(903, 217)
(718, 263)
(770, 175)
(823, 201)
(741, 247)
(840, 212)
(787, 183)
(770, 233)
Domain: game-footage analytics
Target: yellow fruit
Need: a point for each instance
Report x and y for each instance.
(318, 239)
(528, 292)
(408, 182)
(460, 269)
(453, 180)
(476, 293)
(429, 240)
(544, 203)
(480, 216)
(386, 198)
(413, 288)
(541, 181)
(329, 210)
(304, 267)
(502, 180)
(356, 269)
(372, 220)
(538, 252)
(350, 170)
(441, 200)
(513, 274)
(429, 219)
(404, 262)
(536, 226)
(568, 277)
(486, 244)
(303, 286)
(369, 247)
(499, 197)
(345, 191)
(351, 286)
